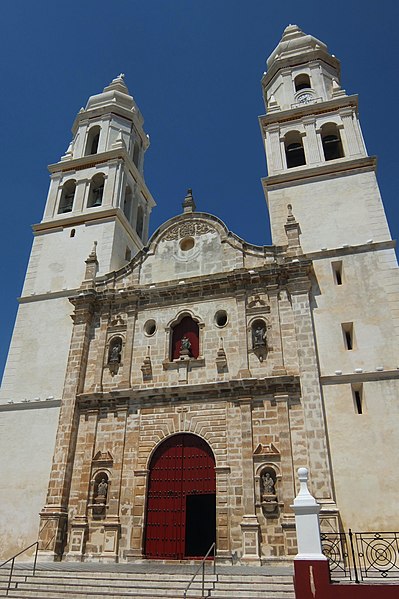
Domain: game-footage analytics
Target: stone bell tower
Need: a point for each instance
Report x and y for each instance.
(318, 164)
(97, 194)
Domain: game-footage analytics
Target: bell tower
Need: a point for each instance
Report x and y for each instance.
(316, 156)
(97, 194)
(318, 165)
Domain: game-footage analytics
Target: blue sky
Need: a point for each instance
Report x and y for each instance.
(194, 68)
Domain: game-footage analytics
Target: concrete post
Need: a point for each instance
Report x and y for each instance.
(306, 511)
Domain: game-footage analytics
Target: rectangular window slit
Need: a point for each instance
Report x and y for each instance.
(347, 329)
(358, 398)
(337, 271)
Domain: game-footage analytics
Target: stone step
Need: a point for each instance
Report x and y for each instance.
(147, 581)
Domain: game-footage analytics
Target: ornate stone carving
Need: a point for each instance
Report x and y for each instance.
(190, 228)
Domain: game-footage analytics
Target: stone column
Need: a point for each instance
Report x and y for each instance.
(314, 426)
(346, 115)
(222, 512)
(274, 147)
(81, 195)
(310, 142)
(54, 514)
(286, 488)
(249, 525)
(80, 484)
(112, 524)
(131, 313)
(276, 336)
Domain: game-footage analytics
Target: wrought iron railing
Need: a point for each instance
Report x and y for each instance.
(362, 555)
(11, 561)
(211, 550)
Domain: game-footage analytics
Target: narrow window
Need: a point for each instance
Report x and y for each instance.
(127, 202)
(302, 81)
(294, 151)
(337, 272)
(347, 329)
(128, 254)
(140, 221)
(331, 140)
(93, 137)
(136, 154)
(72, 233)
(357, 393)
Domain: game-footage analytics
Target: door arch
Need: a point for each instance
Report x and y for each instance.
(181, 499)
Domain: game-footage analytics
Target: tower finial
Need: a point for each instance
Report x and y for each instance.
(91, 264)
(188, 202)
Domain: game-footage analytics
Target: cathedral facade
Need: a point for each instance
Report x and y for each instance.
(199, 371)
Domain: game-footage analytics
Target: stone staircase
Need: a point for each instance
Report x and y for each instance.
(148, 580)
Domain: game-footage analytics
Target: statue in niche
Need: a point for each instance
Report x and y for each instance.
(115, 353)
(259, 335)
(102, 489)
(268, 484)
(185, 346)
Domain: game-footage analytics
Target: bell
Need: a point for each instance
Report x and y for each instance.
(98, 201)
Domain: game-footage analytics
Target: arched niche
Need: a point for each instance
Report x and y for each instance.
(185, 337)
(331, 140)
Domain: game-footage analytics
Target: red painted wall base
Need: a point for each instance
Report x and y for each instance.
(312, 581)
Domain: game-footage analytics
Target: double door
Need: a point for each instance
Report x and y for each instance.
(181, 501)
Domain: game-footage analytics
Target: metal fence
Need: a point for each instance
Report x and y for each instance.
(362, 555)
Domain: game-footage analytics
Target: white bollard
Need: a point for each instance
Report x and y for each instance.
(307, 524)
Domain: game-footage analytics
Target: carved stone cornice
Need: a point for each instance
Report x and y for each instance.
(233, 390)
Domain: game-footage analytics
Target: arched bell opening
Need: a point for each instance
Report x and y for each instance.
(331, 140)
(96, 191)
(181, 499)
(294, 151)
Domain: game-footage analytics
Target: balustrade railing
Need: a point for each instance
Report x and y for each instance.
(362, 555)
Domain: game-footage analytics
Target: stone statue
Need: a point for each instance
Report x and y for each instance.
(115, 355)
(102, 488)
(259, 336)
(268, 484)
(185, 346)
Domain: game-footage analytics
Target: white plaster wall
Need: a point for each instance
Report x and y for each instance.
(331, 212)
(27, 440)
(364, 450)
(38, 352)
(58, 261)
(367, 299)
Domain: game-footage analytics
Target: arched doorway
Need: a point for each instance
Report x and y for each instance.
(181, 499)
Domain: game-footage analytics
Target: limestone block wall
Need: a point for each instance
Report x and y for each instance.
(235, 337)
(120, 438)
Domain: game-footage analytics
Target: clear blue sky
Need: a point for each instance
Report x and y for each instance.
(194, 68)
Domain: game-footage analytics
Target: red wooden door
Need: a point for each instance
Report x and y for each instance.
(182, 466)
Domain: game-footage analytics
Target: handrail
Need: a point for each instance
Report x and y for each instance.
(12, 560)
(202, 565)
